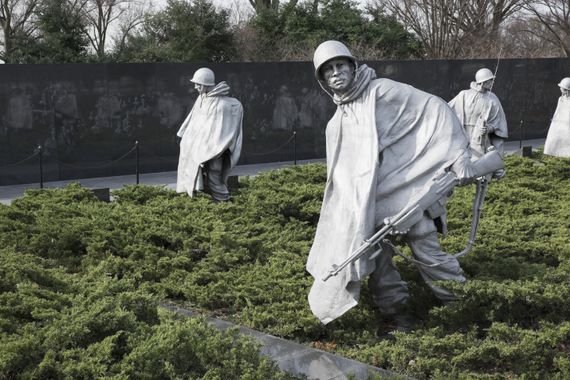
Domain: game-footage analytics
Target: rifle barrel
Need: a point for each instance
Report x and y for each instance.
(360, 251)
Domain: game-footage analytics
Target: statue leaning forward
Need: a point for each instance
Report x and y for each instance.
(211, 139)
(384, 143)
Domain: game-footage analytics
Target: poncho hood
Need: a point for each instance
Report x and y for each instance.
(221, 89)
(362, 78)
(475, 86)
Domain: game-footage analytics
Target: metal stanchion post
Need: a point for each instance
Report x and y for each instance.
(520, 134)
(40, 154)
(137, 159)
(295, 147)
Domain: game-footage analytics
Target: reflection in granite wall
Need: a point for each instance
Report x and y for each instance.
(88, 116)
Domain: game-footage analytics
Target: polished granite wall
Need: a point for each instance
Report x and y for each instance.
(87, 117)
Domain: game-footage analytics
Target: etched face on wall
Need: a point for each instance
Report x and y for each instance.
(338, 74)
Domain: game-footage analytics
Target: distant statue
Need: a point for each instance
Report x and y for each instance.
(285, 113)
(19, 111)
(211, 139)
(482, 115)
(558, 138)
(384, 143)
(313, 103)
(108, 111)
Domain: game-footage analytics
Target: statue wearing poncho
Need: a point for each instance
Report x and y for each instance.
(479, 106)
(385, 141)
(211, 138)
(558, 139)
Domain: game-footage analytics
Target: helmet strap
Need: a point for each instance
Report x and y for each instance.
(329, 93)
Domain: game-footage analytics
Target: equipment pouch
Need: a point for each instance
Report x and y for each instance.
(437, 209)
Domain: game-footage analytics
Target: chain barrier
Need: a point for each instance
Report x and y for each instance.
(39, 150)
(154, 155)
(96, 166)
(21, 161)
(274, 150)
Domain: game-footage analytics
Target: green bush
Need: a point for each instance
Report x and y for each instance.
(80, 281)
(79, 285)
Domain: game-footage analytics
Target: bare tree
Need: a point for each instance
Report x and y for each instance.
(554, 16)
(453, 28)
(239, 14)
(262, 5)
(16, 18)
(130, 22)
(481, 22)
(103, 14)
(528, 38)
(432, 21)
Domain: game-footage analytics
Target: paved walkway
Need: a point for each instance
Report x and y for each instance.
(9, 193)
(301, 360)
(168, 179)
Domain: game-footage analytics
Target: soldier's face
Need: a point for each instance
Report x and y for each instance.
(488, 84)
(338, 74)
(202, 89)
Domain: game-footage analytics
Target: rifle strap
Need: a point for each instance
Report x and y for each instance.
(399, 253)
(481, 190)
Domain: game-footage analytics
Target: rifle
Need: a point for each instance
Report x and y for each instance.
(439, 186)
(479, 140)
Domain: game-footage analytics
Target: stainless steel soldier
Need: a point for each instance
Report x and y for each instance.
(481, 113)
(211, 138)
(384, 143)
(558, 138)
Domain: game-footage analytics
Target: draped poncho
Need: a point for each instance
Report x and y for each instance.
(558, 138)
(213, 126)
(471, 104)
(399, 138)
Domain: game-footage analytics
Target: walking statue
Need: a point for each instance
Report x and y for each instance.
(558, 138)
(482, 115)
(211, 139)
(385, 144)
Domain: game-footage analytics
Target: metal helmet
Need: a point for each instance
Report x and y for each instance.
(483, 75)
(329, 50)
(204, 76)
(565, 83)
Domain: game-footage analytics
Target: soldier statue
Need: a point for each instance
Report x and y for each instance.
(384, 143)
(558, 138)
(211, 139)
(482, 115)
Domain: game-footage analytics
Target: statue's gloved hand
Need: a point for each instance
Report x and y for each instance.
(500, 173)
(483, 130)
(400, 232)
(464, 170)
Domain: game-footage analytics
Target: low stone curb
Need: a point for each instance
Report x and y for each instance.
(298, 359)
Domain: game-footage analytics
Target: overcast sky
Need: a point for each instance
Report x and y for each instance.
(243, 6)
(225, 3)
(240, 10)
